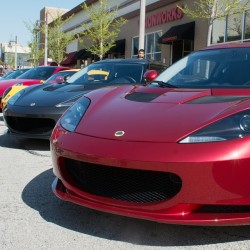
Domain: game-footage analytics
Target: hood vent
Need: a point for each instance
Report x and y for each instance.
(217, 99)
(51, 87)
(141, 97)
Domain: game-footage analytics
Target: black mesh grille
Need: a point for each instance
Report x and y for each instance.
(124, 184)
(30, 125)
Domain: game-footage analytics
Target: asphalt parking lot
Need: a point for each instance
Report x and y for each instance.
(31, 217)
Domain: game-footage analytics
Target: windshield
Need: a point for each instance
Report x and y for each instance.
(15, 74)
(7, 75)
(59, 77)
(104, 73)
(218, 68)
(39, 73)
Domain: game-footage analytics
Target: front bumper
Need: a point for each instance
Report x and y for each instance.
(215, 186)
(32, 122)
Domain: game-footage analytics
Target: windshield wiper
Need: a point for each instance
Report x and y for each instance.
(164, 84)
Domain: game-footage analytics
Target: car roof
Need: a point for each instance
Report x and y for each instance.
(227, 46)
(70, 70)
(131, 60)
(53, 67)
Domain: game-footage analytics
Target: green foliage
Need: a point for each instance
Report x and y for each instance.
(57, 38)
(214, 9)
(36, 52)
(102, 29)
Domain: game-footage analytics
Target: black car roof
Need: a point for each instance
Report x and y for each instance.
(130, 60)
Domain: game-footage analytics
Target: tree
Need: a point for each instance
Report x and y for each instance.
(36, 52)
(57, 39)
(212, 10)
(102, 29)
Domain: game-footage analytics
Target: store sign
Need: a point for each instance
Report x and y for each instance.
(164, 17)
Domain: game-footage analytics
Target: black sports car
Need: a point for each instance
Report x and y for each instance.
(34, 111)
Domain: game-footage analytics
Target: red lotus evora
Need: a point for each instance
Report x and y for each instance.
(174, 151)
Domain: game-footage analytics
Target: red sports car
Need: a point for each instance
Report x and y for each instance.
(175, 151)
(32, 76)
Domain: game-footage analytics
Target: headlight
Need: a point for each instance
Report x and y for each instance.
(74, 114)
(232, 127)
(69, 102)
(6, 92)
(15, 97)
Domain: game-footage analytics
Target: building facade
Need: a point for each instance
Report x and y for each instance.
(169, 33)
(10, 50)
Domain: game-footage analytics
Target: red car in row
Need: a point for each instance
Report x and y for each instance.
(33, 76)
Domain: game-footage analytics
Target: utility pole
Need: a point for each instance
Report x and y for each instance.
(46, 40)
(142, 25)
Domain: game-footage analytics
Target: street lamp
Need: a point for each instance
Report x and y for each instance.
(142, 24)
(46, 40)
(10, 44)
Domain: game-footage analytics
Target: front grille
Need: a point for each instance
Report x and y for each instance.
(131, 185)
(224, 209)
(30, 125)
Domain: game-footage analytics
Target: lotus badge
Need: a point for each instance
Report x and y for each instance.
(119, 133)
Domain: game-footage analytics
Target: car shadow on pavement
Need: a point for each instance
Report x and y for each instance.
(38, 195)
(10, 141)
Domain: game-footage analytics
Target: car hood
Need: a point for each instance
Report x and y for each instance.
(49, 95)
(8, 83)
(157, 114)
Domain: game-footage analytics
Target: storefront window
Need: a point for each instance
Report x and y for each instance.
(150, 44)
(157, 45)
(152, 48)
(234, 27)
(247, 25)
(135, 46)
(218, 31)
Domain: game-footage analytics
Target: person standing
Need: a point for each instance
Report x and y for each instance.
(141, 53)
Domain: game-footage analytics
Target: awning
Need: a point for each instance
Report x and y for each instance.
(69, 59)
(179, 32)
(119, 47)
(81, 54)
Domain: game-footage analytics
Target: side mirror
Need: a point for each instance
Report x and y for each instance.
(150, 75)
(65, 78)
(59, 79)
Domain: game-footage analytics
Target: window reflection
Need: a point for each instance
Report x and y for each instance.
(247, 25)
(234, 27)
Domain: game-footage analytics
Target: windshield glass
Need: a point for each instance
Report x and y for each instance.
(218, 68)
(104, 73)
(39, 73)
(17, 73)
(59, 77)
(7, 75)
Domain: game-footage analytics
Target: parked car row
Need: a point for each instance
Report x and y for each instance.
(173, 149)
(33, 76)
(34, 111)
(13, 74)
(58, 77)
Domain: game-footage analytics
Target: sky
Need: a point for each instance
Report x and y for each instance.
(14, 15)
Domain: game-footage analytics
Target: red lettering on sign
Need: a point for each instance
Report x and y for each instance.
(164, 17)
